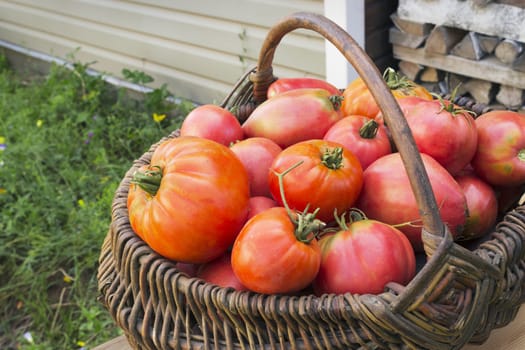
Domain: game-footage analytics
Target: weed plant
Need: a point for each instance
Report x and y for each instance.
(66, 140)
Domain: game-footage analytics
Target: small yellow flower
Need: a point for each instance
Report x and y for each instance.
(81, 203)
(81, 343)
(3, 190)
(68, 279)
(2, 143)
(39, 123)
(158, 117)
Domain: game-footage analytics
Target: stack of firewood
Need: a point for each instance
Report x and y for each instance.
(489, 68)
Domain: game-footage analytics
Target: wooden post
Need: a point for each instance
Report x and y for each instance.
(349, 15)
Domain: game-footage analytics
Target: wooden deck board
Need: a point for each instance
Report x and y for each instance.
(511, 337)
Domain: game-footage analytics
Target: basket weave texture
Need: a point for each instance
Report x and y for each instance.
(458, 296)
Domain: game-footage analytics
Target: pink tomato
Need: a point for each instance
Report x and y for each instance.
(257, 155)
(212, 122)
(364, 137)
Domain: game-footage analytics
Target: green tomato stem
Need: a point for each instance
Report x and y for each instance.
(305, 223)
(369, 129)
(336, 101)
(395, 81)
(149, 180)
(333, 158)
(521, 155)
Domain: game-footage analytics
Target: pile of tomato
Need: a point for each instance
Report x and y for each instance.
(309, 194)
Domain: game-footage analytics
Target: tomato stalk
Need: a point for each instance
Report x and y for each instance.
(148, 180)
(521, 155)
(355, 215)
(336, 101)
(306, 225)
(369, 129)
(449, 106)
(395, 81)
(333, 158)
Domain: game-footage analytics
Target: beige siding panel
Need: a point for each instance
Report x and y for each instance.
(165, 38)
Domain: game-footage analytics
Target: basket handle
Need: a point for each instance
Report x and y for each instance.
(367, 70)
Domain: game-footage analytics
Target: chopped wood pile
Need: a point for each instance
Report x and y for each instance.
(489, 67)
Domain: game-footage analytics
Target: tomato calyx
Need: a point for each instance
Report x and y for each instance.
(307, 227)
(521, 155)
(449, 106)
(336, 101)
(354, 215)
(148, 180)
(332, 158)
(395, 81)
(369, 129)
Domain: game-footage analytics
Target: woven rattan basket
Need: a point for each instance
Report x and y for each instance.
(458, 296)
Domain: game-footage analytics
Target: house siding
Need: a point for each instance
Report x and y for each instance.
(198, 48)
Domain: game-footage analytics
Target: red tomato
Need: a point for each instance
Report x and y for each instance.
(500, 156)
(257, 155)
(329, 178)
(258, 204)
(213, 123)
(293, 116)
(287, 84)
(271, 256)
(364, 137)
(363, 257)
(387, 196)
(191, 201)
(219, 272)
(444, 131)
(482, 206)
(358, 99)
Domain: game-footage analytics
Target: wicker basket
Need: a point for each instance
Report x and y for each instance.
(458, 296)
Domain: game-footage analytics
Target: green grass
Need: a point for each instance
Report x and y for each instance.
(66, 140)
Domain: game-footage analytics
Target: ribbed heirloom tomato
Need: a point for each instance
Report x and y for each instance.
(362, 257)
(273, 254)
(500, 156)
(387, 196)
(366, 138)
(294, 116)
(329, 178)
(191, 201)
(212, 122)
(442, 130)
(359, 100)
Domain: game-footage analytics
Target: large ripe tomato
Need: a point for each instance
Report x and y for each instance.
(362, 257)
(444, 131)
(273, 254)
(212, 122)
(293, 116)
(364, 137)
(329, 178)
(219, 272)
(257, 155)
(358, 99)
(500, 156)
(191, 201)
(387, 196)
(286, 84)
(482, 205)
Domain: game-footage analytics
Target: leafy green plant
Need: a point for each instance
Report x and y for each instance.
(66, 140)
